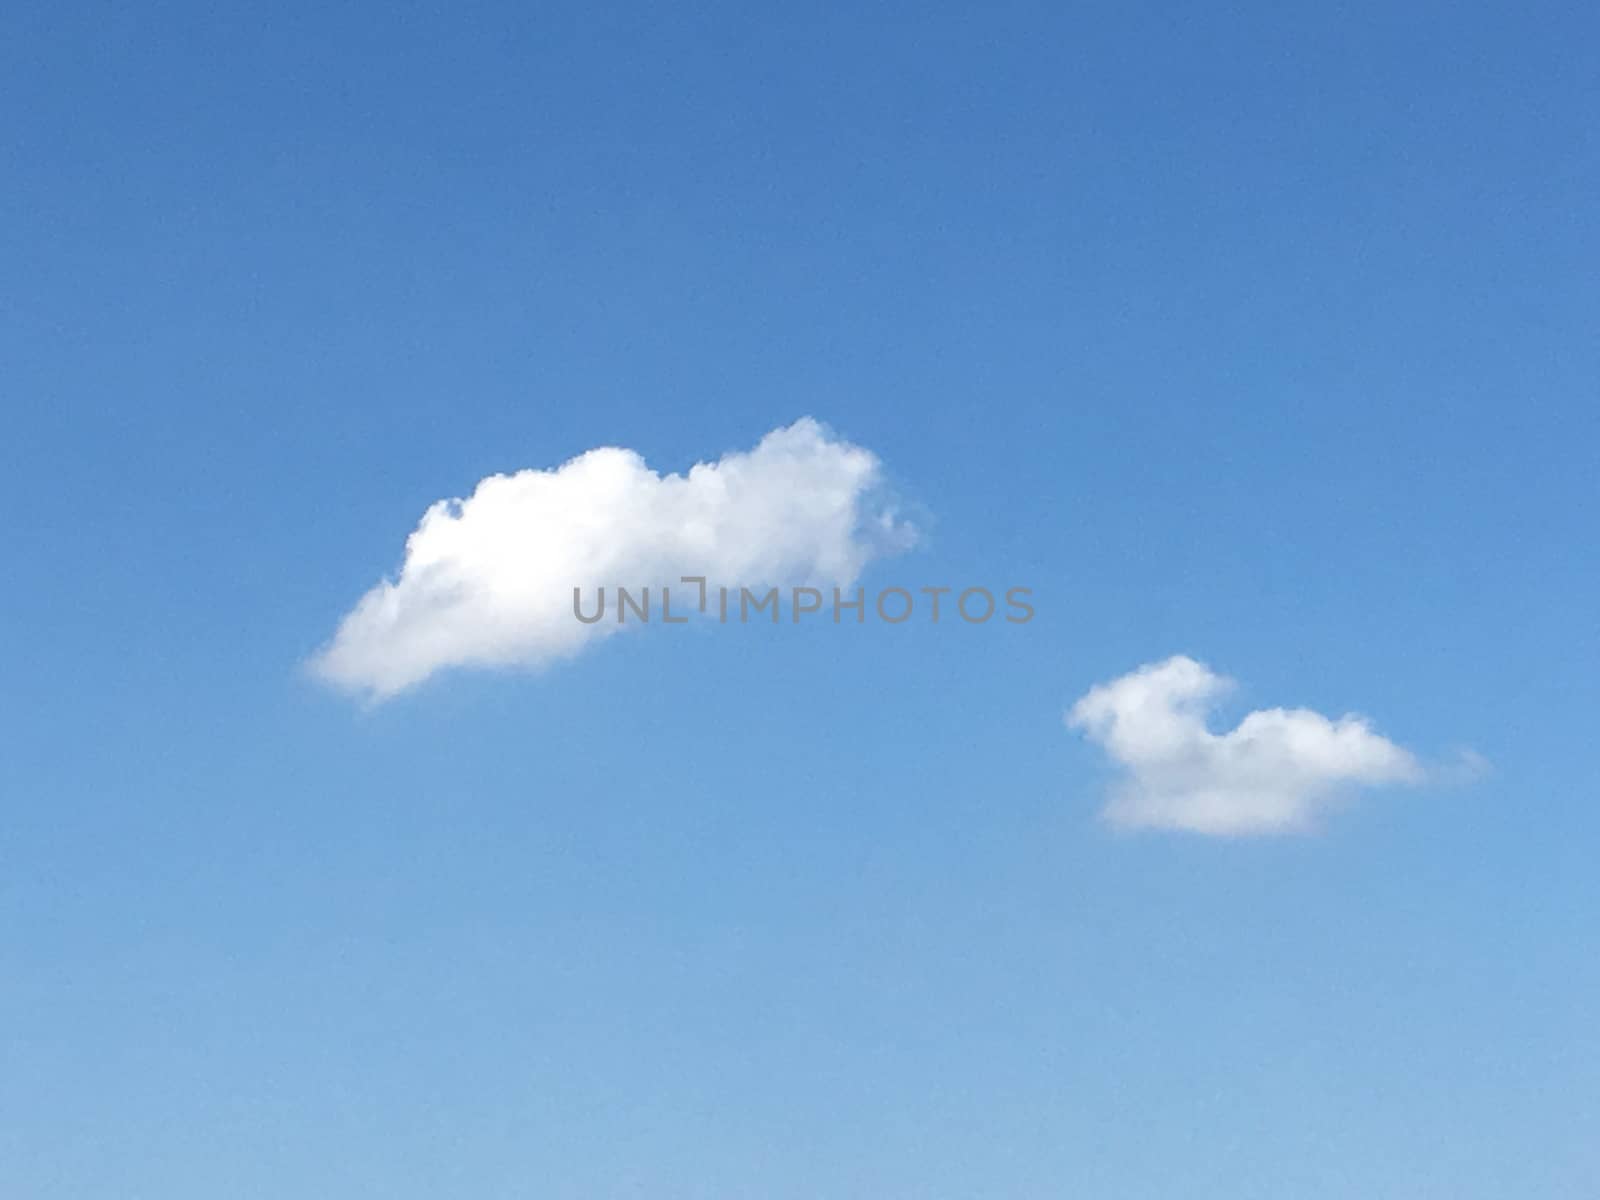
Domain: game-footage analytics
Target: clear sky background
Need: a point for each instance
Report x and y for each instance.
(1261, 332)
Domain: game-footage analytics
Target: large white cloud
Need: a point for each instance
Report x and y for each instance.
(488, 581)
(1277, 771)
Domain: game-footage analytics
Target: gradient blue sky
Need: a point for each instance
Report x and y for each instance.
(1262, 332)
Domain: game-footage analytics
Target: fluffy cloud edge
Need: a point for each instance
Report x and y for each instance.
(486, 581)
(1277, 771)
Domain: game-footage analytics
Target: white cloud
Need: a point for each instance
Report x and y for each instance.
(1277, 771)
(488, 581)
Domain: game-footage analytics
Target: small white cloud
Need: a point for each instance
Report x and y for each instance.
(1277, 771)
(488, 581)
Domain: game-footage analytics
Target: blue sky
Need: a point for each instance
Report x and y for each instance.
(1263, 335)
